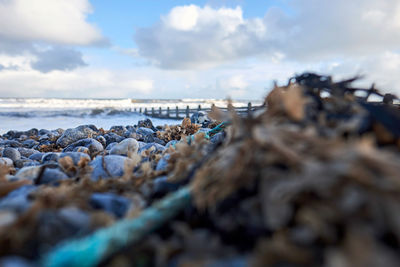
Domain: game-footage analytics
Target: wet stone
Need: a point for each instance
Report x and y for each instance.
(7, 217)
(25, 162)
(200, 118)
(111, 145)
(26, 152)
(147, 123)
(17, 200)
(11, 153)
(129, 145)
(162, 164)
(111, 203)
(49, 175)
(102, 140)
(162, 186)
(153, 147)
(10, 143)
(6, 161)
(37, 156)
(75, 217)
(119, 129)
(112, 138)
(114, 166)
(72, 135)
(50, 157)
(93, 145)
(144, 132)
(43, 131)
(16, 261)
(171, 143)
(82, 149)
(217, 138)
(75, 156)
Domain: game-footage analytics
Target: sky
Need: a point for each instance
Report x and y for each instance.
(192, 49)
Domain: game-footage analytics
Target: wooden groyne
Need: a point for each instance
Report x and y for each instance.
(181, 113)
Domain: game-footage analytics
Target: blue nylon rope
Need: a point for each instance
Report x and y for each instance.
(91, 250)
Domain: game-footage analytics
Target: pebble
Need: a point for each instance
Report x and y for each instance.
(75, 217)
(112, 137)
(49, 175)
(6, 161)
(50, 157)
(162, 186)
(82, 149)
(111, 145)
(200, 118)
(10, 143)
(162, 164)
(15, 261)
(37, 156)
(102, 140)
(115, 165)
(72, 135)
(75, 156)
(25, 162)
(118, 129)
(17, 200)
(217, 138)
(147, 123)
(111, 203)
(155, 148)
(11, 153)
(128, 145)
(171, 143)
(26, 152)
(143, 132)
(93, 145)
(7, 217)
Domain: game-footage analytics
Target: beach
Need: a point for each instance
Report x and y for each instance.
(307, 181)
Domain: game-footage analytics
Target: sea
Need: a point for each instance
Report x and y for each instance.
(51, 113)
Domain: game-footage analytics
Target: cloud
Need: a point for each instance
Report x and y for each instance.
(44, 33)
(61, 22)
(58, 59)
(201, 37)
(80, 83)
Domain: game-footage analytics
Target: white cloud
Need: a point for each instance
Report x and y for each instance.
(54, 21)
(234, 86)
(200, 37)
(43, 32)
(89, 83)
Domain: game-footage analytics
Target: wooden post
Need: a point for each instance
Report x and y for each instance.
(145, 111)
(187, 111)
(159, 111)
(134, 109)
(167, 112)
(140, 110)
(249, 108)
(177, 112)
(199, 109)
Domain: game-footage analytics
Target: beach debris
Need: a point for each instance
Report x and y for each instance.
(311, 180)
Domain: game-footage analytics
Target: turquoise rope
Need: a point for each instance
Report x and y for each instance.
(207, 136)
(91, 250)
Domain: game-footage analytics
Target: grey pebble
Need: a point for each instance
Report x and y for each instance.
(114, 164)
(93, 145)
(126, 146)
(111, 203)
(11, 153)
(72, 135)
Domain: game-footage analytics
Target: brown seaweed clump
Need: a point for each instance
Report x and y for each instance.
(309, 181)
(176, 132)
